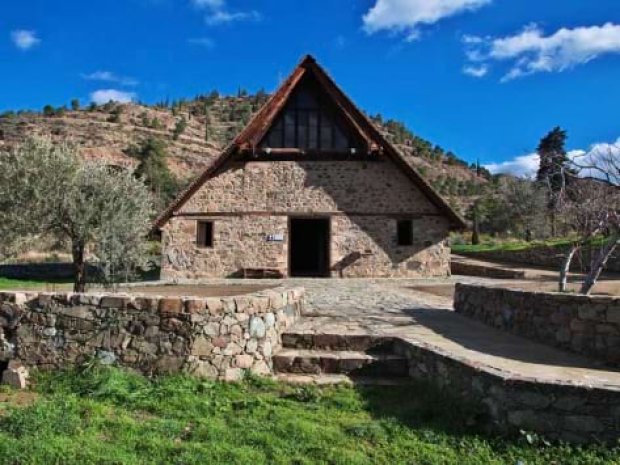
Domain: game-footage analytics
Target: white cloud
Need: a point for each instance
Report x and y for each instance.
(598, 155)
(112, 95)
(476, 71)
(202, 42)
(218, 12)
(407, 15)
(530, 51)
(224, 17)
(108, 76)
(527, 165)
(523, 166)
(25, 40)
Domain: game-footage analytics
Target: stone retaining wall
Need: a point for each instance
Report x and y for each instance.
(544, 256)
(216, 338)
(470, 269)
(570, 413)
(588, 325)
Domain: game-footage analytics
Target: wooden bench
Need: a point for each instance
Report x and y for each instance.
(262, 273)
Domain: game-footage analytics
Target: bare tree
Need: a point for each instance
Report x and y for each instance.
(591, 206)
(46, 191)
(588, 209)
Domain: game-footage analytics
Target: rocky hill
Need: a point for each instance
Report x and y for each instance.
(194, 131)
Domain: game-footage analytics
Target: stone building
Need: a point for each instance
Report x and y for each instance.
(309, 188)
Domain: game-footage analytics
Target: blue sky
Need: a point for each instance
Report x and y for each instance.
(483, 78)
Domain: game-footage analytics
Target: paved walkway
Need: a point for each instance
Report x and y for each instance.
(394, 308)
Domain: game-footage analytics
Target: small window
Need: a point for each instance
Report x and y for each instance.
(205, 234)
(405, 232)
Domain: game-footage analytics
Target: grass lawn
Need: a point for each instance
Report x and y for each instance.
(108, 416)
(513, 245)
(19, 284)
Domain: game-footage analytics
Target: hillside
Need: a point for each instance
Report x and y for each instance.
(195, 130)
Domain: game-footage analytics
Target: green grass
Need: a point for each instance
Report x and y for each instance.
(19, 284)
(515, 245)
(108, 416)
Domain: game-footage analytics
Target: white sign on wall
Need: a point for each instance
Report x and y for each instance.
(275, 238)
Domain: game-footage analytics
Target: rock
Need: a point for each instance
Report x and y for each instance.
(233, 374)
(168, 364)
(533, 400)
(201, 347)
(204, 370)
(80, 313)
(257, 328)
(270, 320)
(194, 306)
(583, 423)
(105, 357)
(244, 361)
(267, 349)
(114, 302)
(214, 305)
(261, 368)
(212, 329)
(171, 306)
(16, 376)
(251, 346)
(50, 332)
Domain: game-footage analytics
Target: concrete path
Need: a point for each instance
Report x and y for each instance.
(392, 308)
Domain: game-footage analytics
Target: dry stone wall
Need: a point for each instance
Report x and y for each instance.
(544, 256)
(588, 325)
(364, 200)
(572, 413)
(216, 338)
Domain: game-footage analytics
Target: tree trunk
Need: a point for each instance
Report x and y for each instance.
(79, 266)
(598, 264)
(475, 237)
(566, 267)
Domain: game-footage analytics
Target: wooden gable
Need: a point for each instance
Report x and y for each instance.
(309, 90)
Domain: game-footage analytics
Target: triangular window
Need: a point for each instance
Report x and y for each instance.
(309, 121)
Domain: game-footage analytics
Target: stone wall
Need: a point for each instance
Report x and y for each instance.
(364, 200)
(208, 337)
(588, 325)
(473, 269)
(545, 257)
(556, 411)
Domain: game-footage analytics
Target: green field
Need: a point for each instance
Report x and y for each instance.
(107, 416)
(19, 284)
(490, 245)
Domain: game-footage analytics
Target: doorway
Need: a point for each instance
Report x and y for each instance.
(309, 247)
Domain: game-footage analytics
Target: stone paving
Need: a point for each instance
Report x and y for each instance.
(392, 308)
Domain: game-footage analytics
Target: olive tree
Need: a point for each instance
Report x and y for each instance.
(45, 190)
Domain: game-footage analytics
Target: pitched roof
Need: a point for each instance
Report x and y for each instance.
(250, 137)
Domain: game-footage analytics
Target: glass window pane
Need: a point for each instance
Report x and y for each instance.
(289, 129)
(340, 140)
(313, 130)
(302, 129)
(305, 100)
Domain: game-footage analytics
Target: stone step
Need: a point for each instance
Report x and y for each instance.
(334, 379)
(354, 342)
(302, 361)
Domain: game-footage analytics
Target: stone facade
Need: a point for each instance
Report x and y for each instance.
(363, 200)
(588, 325)
(217, 338)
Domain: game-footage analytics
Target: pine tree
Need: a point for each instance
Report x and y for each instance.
(553, 159)
(553, 170)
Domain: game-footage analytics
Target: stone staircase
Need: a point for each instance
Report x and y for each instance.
(335, 358)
